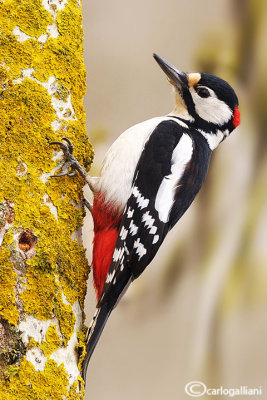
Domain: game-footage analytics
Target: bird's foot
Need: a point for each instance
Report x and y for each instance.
(71, 164)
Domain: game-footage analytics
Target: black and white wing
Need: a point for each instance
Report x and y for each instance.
(145, 220)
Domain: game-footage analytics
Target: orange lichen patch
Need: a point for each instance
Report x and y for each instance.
(193, 78)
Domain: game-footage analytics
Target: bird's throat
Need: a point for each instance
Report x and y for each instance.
(180, 109)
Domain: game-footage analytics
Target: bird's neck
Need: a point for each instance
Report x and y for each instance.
(213, 134)
(214, 137)
(180, 111)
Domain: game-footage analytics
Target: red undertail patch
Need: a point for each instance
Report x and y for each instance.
(106, 224)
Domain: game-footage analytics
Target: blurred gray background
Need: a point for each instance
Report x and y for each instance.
(199, 311)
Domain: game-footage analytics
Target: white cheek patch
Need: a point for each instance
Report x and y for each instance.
(211, 109)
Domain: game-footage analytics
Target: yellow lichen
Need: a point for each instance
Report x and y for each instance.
(40, 293)
(27, 384)
(54, 277)
(52, 341)
(8, 238)
(33, 343)
(33, 18)
(66, 320)
(81, 346)
(8, 280)
(75, 393)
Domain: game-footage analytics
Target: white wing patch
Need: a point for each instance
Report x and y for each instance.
(165, 196)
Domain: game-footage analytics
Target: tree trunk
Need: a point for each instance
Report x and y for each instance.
(43, 268)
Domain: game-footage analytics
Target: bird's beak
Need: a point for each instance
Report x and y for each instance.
(176, 77)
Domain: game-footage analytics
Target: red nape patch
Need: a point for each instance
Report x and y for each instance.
(106, 224)
(236, 117)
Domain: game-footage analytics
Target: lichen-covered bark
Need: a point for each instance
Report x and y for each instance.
(43, 269)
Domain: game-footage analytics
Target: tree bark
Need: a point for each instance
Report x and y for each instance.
(43, 268)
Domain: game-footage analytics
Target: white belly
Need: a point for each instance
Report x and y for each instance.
(121, 160)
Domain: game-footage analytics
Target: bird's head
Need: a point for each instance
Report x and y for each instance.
(208, 101)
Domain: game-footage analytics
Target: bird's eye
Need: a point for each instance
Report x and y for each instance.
(203, 92)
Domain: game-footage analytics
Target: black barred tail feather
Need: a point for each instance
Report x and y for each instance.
(94, 332)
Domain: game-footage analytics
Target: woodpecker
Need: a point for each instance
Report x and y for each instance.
(149, 177)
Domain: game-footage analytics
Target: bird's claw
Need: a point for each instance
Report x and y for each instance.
(70, 164)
